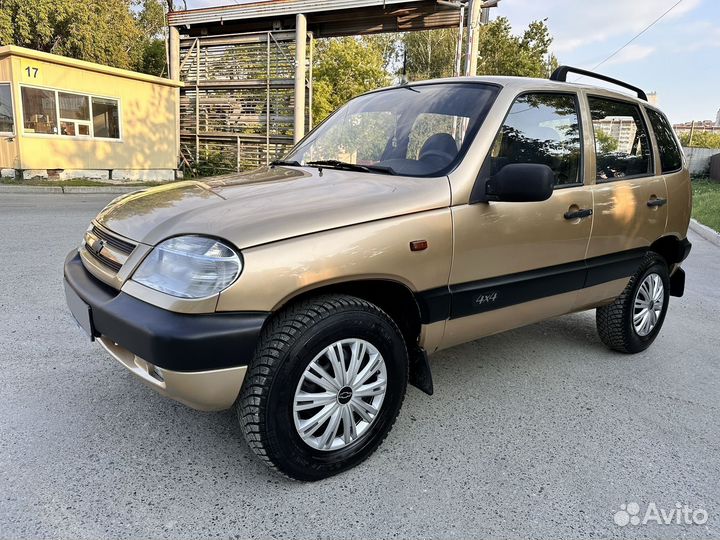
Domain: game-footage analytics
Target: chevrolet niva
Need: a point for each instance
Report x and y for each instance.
(308, 293)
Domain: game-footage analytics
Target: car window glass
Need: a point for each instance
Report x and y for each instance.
(621, 142)
(419, 130)
(670, 153)
(429, 124)
(544, 129)
(362, 139)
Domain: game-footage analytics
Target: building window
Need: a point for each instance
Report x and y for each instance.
(7, 119)
(106, 118)
(72, 115)
(39, 111)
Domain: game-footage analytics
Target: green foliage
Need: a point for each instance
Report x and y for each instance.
(701, 139)
(706, 203)
(108, 32)
(606, 144)
(344, 68)
(431, 53)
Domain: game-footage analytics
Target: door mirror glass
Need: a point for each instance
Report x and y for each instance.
(521, 182)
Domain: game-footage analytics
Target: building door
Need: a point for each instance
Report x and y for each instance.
(8, 130)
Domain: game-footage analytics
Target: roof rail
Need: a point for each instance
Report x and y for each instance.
(560, 74)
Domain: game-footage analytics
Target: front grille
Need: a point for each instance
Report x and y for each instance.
(117, 243)
(106, 248)
(114, 265)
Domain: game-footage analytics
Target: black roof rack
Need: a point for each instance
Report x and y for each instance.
(560, 74)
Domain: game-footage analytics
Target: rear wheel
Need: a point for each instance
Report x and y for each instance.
(632, 322)
(325, 386)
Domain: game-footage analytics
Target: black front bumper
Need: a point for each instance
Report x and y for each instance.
(174, 341)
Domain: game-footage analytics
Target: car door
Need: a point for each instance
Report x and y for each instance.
(630, 198)
(518, 262)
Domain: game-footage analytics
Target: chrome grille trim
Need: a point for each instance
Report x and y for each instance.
(108, 249)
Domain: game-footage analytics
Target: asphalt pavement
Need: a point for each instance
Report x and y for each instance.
(539, 432)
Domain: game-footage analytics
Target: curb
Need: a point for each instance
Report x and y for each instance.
(706, 232)
(69, 190)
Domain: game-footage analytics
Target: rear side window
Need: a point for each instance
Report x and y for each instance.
(670, 154)
(622, 145)
(544, 129)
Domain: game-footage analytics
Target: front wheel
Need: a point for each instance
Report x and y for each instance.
(325, 387)
(632, 322)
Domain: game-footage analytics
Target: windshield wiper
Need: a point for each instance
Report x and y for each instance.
(337, 164)
(286, 163)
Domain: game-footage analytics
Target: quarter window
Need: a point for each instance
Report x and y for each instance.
(670, 153)
(7, 119)
(622, 147)
(544, 129)
(39, 111)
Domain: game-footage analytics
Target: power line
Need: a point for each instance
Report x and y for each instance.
(648, 27)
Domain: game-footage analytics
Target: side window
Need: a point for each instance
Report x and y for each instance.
(622, 146)
(545, 129)
(670, 153)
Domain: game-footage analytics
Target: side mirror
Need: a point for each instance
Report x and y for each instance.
(521, 182)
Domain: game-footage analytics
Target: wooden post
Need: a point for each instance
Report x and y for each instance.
(300, 50)
(472, 32)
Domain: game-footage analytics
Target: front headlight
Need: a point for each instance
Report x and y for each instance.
(189, 267)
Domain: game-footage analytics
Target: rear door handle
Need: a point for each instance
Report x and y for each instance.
(578, 214)
(656, 202)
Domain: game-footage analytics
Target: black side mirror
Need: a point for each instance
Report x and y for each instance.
(521, 182)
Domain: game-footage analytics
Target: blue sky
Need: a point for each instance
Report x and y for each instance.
(679, 57)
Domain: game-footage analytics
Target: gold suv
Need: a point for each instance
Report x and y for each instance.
(308, 293)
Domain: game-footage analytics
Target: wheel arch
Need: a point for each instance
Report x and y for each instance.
(394, 298)
(673, 249)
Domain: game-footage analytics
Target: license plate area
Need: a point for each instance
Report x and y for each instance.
(81, 312)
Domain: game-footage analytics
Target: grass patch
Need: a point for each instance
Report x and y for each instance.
(706, 203)
(75, 182)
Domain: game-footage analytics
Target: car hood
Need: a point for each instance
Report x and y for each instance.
(270, 204)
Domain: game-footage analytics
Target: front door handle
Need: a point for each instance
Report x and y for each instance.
(578, 214)
(656, 202)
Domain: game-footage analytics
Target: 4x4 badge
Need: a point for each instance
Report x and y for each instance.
(488, 298)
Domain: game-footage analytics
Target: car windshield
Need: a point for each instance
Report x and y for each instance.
(419, 130)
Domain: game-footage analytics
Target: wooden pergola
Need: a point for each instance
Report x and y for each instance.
(246, 66)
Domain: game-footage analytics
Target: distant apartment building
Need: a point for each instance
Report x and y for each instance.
(620, 128)
(699, 126)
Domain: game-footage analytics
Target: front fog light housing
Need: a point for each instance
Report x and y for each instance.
(189, 267)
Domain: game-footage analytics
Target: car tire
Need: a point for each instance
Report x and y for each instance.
(632, 322)
(295, 347)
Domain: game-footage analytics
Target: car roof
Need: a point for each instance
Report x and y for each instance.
(520, 84)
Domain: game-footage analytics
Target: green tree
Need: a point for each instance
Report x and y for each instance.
(111, 32)
(344, 68)
(431, 53)
(607, 144)
(701, 139)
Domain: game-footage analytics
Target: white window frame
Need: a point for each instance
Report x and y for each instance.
(83, 122)
(12, 110)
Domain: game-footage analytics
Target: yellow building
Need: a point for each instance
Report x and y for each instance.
(63, 118)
